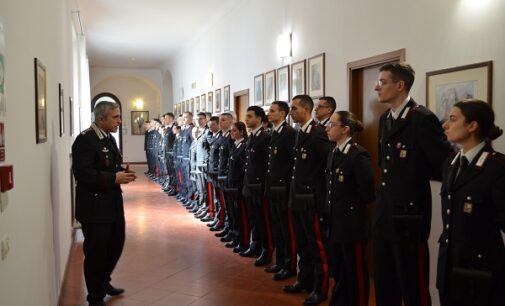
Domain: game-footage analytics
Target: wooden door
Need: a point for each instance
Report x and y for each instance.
(241, 104)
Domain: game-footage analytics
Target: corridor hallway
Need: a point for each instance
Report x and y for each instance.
(171, 259)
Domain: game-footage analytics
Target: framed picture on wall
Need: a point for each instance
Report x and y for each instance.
(298, 78)
(218, 101)
(40, 102)
(210, 102)
(61, 108)
(226, 98)
(203, 103)
(258, 89)
(283, 84)
(197, 105)
(316, 76)
(138, 118)
(269, 87)
(447, 86)
(192, 105)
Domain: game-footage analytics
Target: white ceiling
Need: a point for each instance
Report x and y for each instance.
(144, 34)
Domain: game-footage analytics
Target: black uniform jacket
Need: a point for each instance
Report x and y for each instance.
(186, 140)
(311, 154)
(169, 134)
(350, 188)
(214, 153)
(280, 157)
(95, 161)
(226, 143)
(410, 153)
(473, 211)
(236, 165)
(256, 160)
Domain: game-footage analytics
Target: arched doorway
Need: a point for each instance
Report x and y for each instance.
(106, 96)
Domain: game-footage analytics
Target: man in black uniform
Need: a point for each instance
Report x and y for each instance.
(412, 148)
(168, 121)
(213, 167)
(256, 163)
(186, 140)
(278, 178)
(307, 196)
(97, 169)
(324, 109)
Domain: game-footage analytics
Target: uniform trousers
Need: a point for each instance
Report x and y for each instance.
(103, 245)
(401, 273)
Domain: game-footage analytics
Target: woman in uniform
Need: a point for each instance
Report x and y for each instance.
(236, 166)
(471, 260)
(349, 190)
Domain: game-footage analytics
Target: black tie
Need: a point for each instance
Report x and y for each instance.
(389, 122)
(463, 164)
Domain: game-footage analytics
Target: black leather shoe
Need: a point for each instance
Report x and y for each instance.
(239, 249)
(222, 233)
(101, 303)
(315, 299)
(225, 239)
(283, 274)
(207, 219)
(263, 260)
(249, 253)
(231, 244)
(273, 269)
(296, 287)
(112, 291)
(216, 228)
(213, 223)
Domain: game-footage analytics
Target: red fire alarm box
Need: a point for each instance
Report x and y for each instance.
(6, 179)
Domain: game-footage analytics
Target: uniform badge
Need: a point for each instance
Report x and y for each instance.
(304, 155)
(341, 178)
(403, 153)
(398, 145)
(275, 151)
(467, 208)
(105, 150)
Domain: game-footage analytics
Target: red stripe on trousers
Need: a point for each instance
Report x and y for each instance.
(244, 222)
(210, 196)
(359, 270)
(423, 291)
(293, 240)
(268, 227)
(222, 210)
(322, 253)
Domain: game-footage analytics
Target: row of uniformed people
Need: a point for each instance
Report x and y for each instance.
(412, 148)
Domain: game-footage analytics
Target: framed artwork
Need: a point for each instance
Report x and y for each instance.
(218, 109)
(210, 102)
(203, 102)
(258, 89)
(192, 105)
(283, 82)
(298, 78)
(448, 86)
(197, 105)
(40, 102)
(61, 108)
(226, 98)
(316, 76)
(138, 119)
(269, 87)
(70, 110)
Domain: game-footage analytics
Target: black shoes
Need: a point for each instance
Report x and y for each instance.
(297, 287)
(239, 249)
(101, 303)
(112, 291)
(222, 233)
(273, 269)
(315, 299)
(263, 260)
(250, 253)
(232, 244)
(283, 274)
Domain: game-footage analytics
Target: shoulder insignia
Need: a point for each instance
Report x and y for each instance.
(455, 159)
(482, 159)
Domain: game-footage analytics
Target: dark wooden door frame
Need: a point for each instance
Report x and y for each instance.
(355, 74)
(116, 99)
(236, 97)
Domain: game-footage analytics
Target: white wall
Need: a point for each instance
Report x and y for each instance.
(38, 218)
(436, 35)
(129, 85)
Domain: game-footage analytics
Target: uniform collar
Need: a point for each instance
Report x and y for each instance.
(305, 128)
(341, 147)
(99, 132)
(256, 131)
(399, 110)
(278, 128)
(238, 141)
(470, 154)
(325, 122)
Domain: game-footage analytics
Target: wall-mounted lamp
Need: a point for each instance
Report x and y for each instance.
(139, 104)
(284, 49)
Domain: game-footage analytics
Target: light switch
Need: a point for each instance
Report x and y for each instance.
(5, 246)
(4, 201)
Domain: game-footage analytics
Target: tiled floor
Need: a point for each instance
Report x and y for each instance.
(171, 258)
